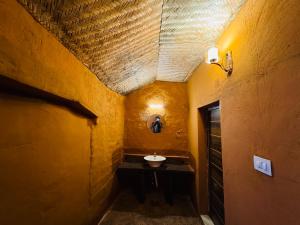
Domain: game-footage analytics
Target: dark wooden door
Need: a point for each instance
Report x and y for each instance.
(215, 171)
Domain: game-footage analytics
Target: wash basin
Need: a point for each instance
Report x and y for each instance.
(154, 160)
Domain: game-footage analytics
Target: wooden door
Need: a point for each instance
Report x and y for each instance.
(215, 168)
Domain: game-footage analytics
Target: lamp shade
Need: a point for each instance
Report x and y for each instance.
(213, 55)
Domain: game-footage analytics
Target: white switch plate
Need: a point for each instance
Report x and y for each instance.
(262, 165)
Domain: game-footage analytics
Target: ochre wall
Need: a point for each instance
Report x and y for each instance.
(260, 113)
(174, 133)
(57, 167)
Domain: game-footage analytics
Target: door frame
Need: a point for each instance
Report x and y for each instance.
(203, 158)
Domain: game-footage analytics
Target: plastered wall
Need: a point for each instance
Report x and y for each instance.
(173, 98)
(260, 113)
(57, 167)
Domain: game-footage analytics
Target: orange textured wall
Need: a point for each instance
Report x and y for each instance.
(260, 112)
(57, 167)
(174, 134)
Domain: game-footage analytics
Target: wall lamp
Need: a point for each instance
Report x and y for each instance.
(213, 58)
(156, 106)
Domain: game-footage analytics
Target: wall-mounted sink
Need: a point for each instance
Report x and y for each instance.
(154, 160)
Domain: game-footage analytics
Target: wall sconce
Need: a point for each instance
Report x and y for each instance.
(156, 106)
(213, 58)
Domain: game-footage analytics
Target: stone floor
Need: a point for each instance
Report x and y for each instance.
(155, 211)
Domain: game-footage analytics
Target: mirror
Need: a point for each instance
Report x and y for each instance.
(155, 123)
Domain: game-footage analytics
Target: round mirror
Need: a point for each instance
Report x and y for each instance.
(155, 123)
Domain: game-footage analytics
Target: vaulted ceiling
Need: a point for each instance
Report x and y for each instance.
(130, 43)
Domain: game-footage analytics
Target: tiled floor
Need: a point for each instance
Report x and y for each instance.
(128, 211)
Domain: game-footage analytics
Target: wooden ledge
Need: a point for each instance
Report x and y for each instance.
(10, 86)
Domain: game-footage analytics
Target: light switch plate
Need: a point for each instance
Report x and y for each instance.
(262, 165)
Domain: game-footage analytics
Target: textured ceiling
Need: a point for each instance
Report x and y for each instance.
(130, 43)
(189, 28)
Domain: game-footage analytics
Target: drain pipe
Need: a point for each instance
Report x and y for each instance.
(155, 179)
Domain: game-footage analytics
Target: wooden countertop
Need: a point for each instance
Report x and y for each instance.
(167, 167)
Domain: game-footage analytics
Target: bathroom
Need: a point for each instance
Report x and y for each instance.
(149, 112)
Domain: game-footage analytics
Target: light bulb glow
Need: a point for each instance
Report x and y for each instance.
(156, 106)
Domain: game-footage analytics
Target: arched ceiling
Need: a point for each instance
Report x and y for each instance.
(131, 43)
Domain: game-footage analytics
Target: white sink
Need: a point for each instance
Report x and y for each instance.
(154, 160)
